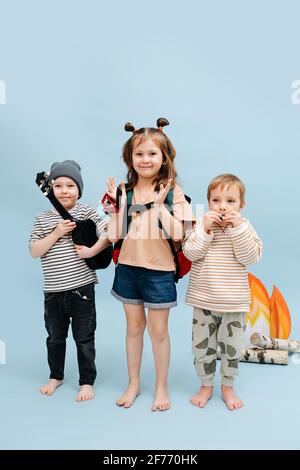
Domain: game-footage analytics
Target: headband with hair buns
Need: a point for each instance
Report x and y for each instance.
(161, 122)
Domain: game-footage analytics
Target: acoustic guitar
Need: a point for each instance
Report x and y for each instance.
(85, 232)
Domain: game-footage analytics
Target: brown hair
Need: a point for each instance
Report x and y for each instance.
(167, 169)
(227, 179)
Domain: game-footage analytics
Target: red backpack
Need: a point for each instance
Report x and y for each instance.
(183, 265)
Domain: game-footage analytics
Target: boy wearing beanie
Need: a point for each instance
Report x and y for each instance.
(69, 294)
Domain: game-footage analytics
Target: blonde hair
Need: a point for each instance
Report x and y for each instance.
(227, 179)
(167, 169)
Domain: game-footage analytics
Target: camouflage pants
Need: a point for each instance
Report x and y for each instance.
(211, 329)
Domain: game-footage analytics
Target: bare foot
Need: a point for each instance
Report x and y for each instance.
(161, 400)
(201, 398)
(128, 397)
(233, 402)
(86, 392)
(50, 387)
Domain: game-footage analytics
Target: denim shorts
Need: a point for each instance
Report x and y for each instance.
(135, 285)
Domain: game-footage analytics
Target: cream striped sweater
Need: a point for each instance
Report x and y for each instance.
(218, 278)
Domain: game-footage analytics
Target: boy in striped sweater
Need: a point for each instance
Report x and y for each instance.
(68, 282)
(220, 246)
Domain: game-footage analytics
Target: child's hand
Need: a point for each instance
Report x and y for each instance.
(163, 191)
(64, 227)
(235, 218)
(124, 196)
(210, 218)
(111, 188)
(84, 251)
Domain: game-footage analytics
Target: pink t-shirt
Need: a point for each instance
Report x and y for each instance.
(146, 245)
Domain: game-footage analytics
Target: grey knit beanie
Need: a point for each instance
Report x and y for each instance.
(67, 168)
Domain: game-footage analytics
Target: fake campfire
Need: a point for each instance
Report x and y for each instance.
(268, 327)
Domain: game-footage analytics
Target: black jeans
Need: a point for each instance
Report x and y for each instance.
(79, 305)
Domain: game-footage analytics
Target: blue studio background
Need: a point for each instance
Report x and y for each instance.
(75, 72)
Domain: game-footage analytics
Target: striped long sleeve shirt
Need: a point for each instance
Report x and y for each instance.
(62, 267)
(218, 279)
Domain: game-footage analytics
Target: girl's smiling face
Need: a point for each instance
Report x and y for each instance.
(147, 159)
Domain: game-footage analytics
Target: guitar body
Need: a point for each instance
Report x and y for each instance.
(85, 232)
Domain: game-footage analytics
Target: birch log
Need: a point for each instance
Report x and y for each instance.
(262, 356)
(266, 342)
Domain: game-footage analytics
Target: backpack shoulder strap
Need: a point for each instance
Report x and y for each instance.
(119, 196)
(188, 199)
(127, 219)
(129, 197)
(170, 197)
(169, 200)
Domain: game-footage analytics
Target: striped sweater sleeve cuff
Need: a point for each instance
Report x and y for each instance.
(205, 236)
(196, 244)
